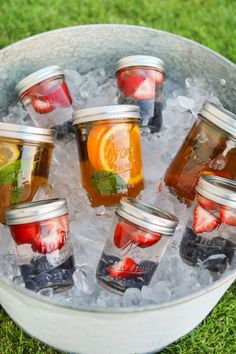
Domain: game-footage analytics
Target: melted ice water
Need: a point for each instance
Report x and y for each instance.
(90, 227)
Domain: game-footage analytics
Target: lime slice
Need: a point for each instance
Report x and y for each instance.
(8, 154)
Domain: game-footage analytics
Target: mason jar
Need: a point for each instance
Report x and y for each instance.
(140, 80)
(209, 148)
(109, 146)
(139, 238)
(25, 157)
(210, 235)
(44, 250)
(46, 97)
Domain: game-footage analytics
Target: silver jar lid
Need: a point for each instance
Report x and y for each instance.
(37, 77)
(219, 116)
(141, 60)
(147, 216)
(36, 211)
(26, 133)
(119, 111)
(218, 189)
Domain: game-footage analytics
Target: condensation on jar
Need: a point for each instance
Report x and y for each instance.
(46, 97)
(140, 80)
(44, 250)
(210, 236)
(110, 153)
(25, 157)
(209, 148)
(139, 238)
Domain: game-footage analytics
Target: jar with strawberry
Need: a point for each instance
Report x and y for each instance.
(139, 238)
(140, 80)
(210, 235)
(47, 99)
(43, 246)
(209, 148)
(109, 146)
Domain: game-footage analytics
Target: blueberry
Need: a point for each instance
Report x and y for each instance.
(43, 279)
(64, 129)
(27, 269)
(43, 265)
(31, 285)
(60, 275)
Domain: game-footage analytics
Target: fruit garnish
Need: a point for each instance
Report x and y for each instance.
(50, 243)
(25, 233)
(145, 239)
(59, 95)
(41, 105)
(129, 82)
(204, 221)
(206, 203)
(107, 183)
(156, 76)
(117, 148)
(8, 154)
(146, 90)
(123, 234)
(228, 216)
(125, 269)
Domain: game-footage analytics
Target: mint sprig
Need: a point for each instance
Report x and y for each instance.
(9, 174)
(107, 182)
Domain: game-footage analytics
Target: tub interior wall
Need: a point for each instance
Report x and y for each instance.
(88, 47)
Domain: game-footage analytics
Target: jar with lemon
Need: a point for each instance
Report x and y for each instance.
(109, 146)
(25, 156)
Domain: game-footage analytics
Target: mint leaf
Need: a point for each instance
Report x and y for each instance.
(9, 174)
(107, 182)
(16, 194)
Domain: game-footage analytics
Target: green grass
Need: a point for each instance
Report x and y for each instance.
(210, 22)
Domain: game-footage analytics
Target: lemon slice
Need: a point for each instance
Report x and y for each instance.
(8, 154)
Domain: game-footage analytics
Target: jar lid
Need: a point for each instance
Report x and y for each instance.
(38, 76)
(36, 211)
(141, 60)
(147, 216)
(224, 119)
(218, 189)
(27, 133)
(119, 111)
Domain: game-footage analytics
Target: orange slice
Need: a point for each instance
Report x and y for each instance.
(117, 148)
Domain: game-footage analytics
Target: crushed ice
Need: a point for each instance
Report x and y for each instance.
(90, 227)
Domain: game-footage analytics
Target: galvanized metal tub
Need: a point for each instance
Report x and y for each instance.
(126, 331)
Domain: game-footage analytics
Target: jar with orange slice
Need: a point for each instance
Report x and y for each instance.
(25, 156)
(209, 149)
(109, 146)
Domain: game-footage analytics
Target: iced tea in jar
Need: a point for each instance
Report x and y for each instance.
(25, 156)
(46, 97)
(109, 146)
(140, 80)
(210, 235)
(209, 148)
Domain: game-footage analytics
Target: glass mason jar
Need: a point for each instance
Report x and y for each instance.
(139, 238)
(25, 156)
(46, 97)
(209, 148)
(43, 247)
(210, 235)
(140, 79)
(109, 145)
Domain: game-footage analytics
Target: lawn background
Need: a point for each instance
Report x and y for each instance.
(210, 22)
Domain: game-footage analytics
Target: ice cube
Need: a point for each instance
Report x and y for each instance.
(132, 297)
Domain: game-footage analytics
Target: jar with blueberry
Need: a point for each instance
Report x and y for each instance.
(44, 250)
(210, 235)
(47, 99)
(140, 80)
(139, 238)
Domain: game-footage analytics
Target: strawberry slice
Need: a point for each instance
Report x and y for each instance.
(59, 95)
(145, 239)
(122, 235)
(129, 83)
(146, 90)
(156, 76)
(41, 105)
(206, 203)
(228, 216)
(125, 269)
(50, 243)
(25, 233)
(204, 221)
